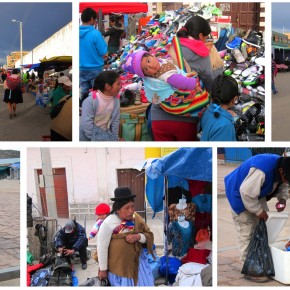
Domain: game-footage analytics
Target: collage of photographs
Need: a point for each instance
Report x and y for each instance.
(208, 206)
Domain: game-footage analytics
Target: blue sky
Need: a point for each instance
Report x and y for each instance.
(40, 21)
(281, 17)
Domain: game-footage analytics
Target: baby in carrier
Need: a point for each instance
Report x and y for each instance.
(165, 84)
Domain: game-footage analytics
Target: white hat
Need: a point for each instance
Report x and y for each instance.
(181, 204)
(64, 80)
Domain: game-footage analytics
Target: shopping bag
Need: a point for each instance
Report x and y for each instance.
(259, 261)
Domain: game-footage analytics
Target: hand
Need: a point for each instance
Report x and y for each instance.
(281, 205)
(198, 88)
(89, 238)
(263, 216)
(68, 252)
(132, 238)
(103, 274)
(60, 250)
(287, 245)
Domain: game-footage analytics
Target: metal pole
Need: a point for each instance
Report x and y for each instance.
(21, 52)
(48, 182)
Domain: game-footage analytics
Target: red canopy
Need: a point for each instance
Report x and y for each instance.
(115, 7)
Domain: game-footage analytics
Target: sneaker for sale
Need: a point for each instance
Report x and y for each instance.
(239, 32)
(251, 80)
(235, 43)
(254, 38)
(260, 61)
(252, 69)
(238, 55)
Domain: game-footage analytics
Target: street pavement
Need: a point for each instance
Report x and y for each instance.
(281, 108)
(31, 123)
(228, 264)
(9, 232)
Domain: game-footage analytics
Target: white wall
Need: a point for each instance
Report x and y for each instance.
(59, 44)
(90, 172)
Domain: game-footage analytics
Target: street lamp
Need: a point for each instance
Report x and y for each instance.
(20, 29)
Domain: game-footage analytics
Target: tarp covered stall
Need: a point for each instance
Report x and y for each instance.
(176, 168)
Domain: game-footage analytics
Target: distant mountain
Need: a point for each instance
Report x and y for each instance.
(5, 154)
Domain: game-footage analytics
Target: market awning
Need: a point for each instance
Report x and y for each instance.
(116, 7)
(281, 47)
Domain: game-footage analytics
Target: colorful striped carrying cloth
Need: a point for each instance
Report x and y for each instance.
(184, 102)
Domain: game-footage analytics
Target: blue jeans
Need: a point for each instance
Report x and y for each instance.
(87, 78)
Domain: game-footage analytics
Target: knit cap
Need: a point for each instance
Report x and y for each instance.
(102, 208)
(133, 62)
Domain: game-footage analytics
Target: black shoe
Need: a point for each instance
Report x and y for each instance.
(254, 38)
(84, 266)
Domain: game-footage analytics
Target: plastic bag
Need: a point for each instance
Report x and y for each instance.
(259, 261)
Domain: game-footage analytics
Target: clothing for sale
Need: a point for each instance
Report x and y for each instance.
(189, 275)
(180, 237)
(175, 193)
(203, 202)
(219, 128)
(196, 187)
(244, 190)
(196, 256)
(103, 112)
(92, 48)
(203, 220)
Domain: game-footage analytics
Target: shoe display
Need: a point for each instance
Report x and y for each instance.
(235, 43)
(238, 55)
(254, 38)
(251, 80)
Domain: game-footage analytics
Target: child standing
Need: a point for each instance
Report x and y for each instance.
(217, 123)
(167, 85)
(101, 109)
(102, 210)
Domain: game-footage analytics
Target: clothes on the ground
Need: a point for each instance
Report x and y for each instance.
(103, 112)
(61, 125)
(124, 265)
(180, 237)
(95, 228)
(219, 128)
(189, 275)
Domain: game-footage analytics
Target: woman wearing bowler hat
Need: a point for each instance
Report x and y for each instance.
(121, 242)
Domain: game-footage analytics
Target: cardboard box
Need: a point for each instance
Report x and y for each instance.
(281, 258)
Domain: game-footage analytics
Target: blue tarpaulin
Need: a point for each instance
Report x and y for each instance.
(184, 163)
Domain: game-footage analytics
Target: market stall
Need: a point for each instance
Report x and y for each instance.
(176, 184)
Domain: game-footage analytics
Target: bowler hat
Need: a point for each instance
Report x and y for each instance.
(122, 193)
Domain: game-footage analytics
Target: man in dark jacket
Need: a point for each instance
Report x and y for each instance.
(71, 238)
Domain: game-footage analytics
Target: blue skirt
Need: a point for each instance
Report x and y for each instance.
(145, 276)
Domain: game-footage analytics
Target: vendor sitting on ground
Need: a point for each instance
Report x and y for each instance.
(64, 89)
(71, 238)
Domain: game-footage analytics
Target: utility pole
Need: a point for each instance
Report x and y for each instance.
(48, 182)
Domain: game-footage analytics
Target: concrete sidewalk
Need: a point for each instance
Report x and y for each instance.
(228, 264)
(9, 232)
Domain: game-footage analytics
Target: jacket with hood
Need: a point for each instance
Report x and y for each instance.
(92, 48)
